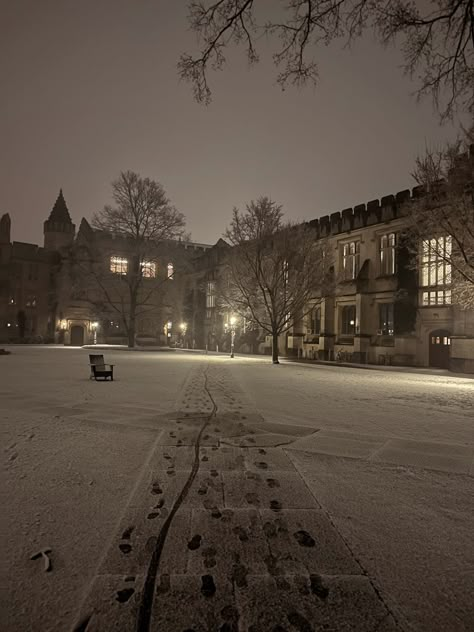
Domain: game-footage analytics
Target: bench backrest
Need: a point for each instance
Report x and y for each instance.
(96, 360)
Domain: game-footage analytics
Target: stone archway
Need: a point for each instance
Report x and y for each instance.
(439, 345)
(77, 335)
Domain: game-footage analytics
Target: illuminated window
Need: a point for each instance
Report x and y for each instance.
(350, 260)
(118, 265)
(348, 318)
(437, 297)
(436, 271)
(386, 319)
(211, 294)
(387, 254)
(170, 270)
(148, 269)
(286, 276)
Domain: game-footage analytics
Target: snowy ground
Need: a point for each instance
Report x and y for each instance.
(341, 497)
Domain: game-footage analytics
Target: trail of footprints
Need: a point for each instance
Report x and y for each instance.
(253, 519)
(198, 545)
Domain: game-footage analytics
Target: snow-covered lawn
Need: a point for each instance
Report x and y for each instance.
(74, 451)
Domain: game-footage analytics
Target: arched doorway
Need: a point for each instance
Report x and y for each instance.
(440, 342)
(77, 335)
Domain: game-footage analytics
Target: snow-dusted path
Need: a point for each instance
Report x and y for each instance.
(266, 523)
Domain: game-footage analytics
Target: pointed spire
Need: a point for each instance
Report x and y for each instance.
(60, 212)
(85, 232)
(5, 225)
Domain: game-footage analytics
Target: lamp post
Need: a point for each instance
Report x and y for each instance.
(232, 321)
(94, 326)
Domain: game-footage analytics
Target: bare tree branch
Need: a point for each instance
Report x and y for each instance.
(445, 210)
(274, 270)
(143, 222)
(437, 42)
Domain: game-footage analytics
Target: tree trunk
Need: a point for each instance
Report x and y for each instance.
(132, 319)
(275, 348)
(21, 322)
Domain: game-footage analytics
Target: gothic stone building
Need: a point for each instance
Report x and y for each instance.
(56, 293)
(382, 310)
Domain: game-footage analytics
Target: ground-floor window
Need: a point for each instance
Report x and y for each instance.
(348, 318)
(314, 321)
(386, 326)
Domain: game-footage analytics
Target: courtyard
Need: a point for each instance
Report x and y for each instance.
(199, 492)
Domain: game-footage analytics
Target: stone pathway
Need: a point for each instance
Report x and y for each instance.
(223, 534)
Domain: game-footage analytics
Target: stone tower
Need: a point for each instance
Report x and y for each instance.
(5, 225)
(58, 228)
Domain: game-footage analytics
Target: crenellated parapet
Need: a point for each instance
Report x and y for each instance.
(388, 208)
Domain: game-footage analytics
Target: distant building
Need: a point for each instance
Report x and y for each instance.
(57, 293)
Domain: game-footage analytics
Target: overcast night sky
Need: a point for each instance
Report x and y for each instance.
(91, 88)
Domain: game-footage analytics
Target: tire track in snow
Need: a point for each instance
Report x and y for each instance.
(146, 603)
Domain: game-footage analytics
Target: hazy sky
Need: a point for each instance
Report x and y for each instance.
(90, 88)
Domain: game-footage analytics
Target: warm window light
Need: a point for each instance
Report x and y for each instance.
(118, 265)
(63, 323)
(148, 269)
(233, 320)
(94, 325)
(183, 326)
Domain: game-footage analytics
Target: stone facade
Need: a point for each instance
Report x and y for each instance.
(56, 293)
(377, 313)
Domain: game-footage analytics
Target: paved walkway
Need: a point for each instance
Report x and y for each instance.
(222, 533)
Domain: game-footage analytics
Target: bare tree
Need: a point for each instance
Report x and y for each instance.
(274, 270)
(442, 217)
(437, 41)
(143, 221)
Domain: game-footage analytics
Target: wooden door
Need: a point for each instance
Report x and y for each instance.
(440, 342)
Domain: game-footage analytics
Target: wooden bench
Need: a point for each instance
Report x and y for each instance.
(99, 369)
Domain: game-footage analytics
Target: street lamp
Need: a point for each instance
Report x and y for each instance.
(232, 321)
(94, 326)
